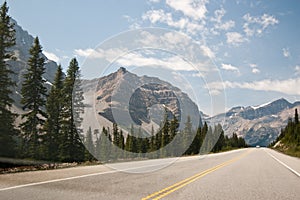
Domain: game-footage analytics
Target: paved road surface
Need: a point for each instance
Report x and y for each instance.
(256, 173)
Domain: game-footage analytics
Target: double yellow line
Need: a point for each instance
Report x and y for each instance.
(168, 190)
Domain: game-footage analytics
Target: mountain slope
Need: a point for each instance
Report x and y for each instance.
(23, 43)
(125, 98)
(259, 125)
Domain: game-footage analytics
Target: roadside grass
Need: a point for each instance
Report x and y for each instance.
(292, 150)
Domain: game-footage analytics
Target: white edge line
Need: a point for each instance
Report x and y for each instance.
(73, 177)
(96, 174)
(285, 165)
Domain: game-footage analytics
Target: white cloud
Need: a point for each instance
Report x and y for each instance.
(183, 23)
(198, 74)
(207, 51)
(154, 1)
(51, 56)
(255, 71)
(134, 23)
(297, 69)
(267, 20)
(229, 67)
(155, 16)
(234, 38)
(219, 14)
(226, 25)
(256, 25)
(219, 24)
(169, 40)
(195, 9)
(173, 62)
(286, 52)
(289, 86)
(108, 55)
(254, 68)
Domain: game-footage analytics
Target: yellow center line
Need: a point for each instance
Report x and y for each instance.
(166, 191)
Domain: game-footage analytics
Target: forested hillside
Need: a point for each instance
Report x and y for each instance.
(289, 139)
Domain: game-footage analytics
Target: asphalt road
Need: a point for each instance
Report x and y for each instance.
(255, 173)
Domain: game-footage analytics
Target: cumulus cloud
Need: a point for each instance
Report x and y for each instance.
(289, 86)
(108, 55)
(226, 25)
(51, 56)
(256, 25)
(286, 52)
(155, 16)
(234, 38)
(229, 67)
(194, 9)
(219, 14)
(183, 23)
(172, 62)
(219, 23)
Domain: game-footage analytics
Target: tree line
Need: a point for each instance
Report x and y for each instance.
(168, 141)
(49, 126)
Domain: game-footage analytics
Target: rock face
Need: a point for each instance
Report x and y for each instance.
(125, 98)
(259, 125)
(24, 42)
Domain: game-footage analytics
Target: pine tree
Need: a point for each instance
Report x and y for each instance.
(208, 140)
(116, 139)
(152, 141)
(71, 148)
(129, 146)
(34, 99)
(187, 137)
(195, 146)
(116, 136)
(121, 144)
(89, 145)
(234, 140)
(296, 117)
(165, 137)
(104, 146)
(173, 128)
(139, 140)
(165, 133)
(7, 118)
(219, 137)
(53, 122)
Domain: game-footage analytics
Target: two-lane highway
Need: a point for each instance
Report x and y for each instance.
(255, 173)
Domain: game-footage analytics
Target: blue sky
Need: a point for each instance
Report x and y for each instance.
(252, 45)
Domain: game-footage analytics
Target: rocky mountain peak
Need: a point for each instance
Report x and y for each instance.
(125, 98)
(122, 70)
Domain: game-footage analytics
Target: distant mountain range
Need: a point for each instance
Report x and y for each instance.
(126, 98)
(259, 125)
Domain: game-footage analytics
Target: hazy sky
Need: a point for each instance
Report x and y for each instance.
(254, 45)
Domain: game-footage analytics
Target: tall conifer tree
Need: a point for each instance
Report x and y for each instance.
(53, 123)
(7, 118)
(71, 148)
(34, 99)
